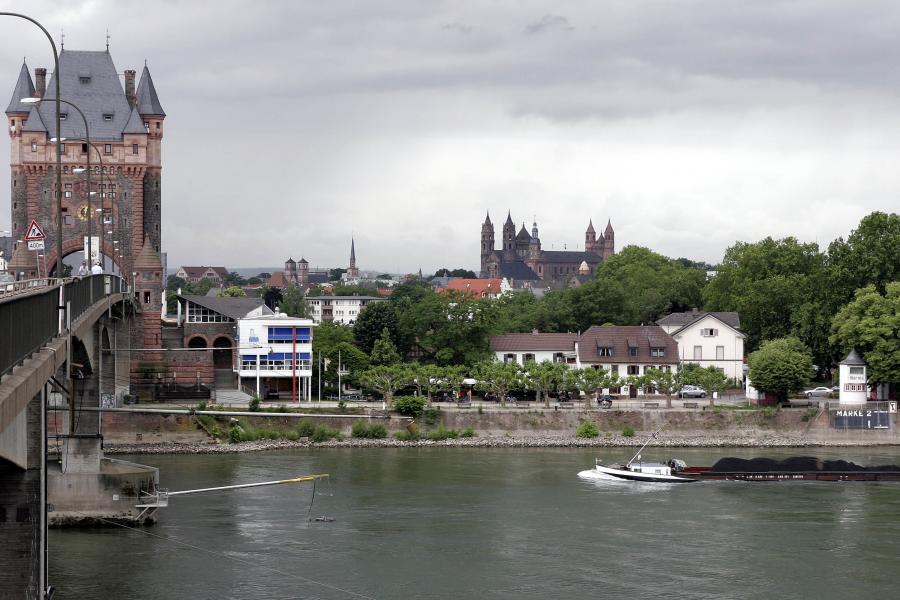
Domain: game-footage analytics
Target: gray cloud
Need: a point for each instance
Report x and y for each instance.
(293, 126)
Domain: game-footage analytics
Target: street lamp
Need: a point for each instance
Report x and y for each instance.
(87, 135)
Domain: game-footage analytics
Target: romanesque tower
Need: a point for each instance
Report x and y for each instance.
(590, 237)
(609, 241)
(487, 243)
(509, 238)
(303, 273)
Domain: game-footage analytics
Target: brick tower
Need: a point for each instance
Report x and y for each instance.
(126, 128)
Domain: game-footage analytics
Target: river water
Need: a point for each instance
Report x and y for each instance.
(447, 523)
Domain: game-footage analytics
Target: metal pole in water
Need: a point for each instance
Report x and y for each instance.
(301, 479)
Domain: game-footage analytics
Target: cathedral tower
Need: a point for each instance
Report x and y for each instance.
(590, 237)
(487, 243)
(352, 271)
(609, 241)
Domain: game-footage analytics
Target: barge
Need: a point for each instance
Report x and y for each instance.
(798, 468)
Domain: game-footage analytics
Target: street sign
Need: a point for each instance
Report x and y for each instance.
(35, 244)
(34, 232)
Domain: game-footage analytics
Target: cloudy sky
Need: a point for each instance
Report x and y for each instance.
(692, 124)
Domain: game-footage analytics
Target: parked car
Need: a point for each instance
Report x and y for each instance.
(835, 389)
(820, 391)
(692, 391)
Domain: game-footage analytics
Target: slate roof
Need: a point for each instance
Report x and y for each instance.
(34, 121)
(620, 339)
(853, 359)
(316, 278)
(571, 256)
(147, 100)
(535, 341)
(686, 318)
(135, 123)
(235, 308)
(523, 235)
(24, 89)
(517, 270)
(103, 94)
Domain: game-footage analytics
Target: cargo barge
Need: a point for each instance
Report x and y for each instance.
(798, 468)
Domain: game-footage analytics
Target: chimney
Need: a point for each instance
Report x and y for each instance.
(40, 82)
(129, 87)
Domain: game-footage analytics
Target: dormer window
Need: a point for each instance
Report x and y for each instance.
(657, 352)
(604, 350)
(63, 116)
(107, 116)
(84, 79)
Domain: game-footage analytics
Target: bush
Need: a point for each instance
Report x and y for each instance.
(253, 406)
(323, 433)
(587, 430)
(235, 434)
(443, 434)
(628, 431)
(407, 436)
(412, 406)
(364, 430)
(468, 432)
(431, 415)
(305, 428)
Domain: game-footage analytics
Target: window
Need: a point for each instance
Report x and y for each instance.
(720, 352)
(147, 127)
(84, 148)
(615, 370)
(107, 116)
(67, 193)
(657, 351)
(146, 297)
(632, 350)
(604, 351)
(134, 148)
(285, 335)
(856, 371)
(527, 357)
(84, 79)
(201, 314)
(68, 220)
(634, 370)
(709, 332)
(63, 116)
(34, 146)
(66, 170)
(509, 358)
(62, 148)
(698, 352)
(107, 148)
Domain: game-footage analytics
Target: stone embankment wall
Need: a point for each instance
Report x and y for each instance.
(800, 424)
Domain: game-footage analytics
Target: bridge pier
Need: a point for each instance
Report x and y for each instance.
(22, 516)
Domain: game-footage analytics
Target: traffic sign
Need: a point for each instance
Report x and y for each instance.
(35, 244)
(34, 232)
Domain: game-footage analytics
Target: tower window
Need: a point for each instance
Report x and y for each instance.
(134, 148)
(84, 148)
(84, 79)
(107, 148)
(34, 146)
(107, 116)
(62, 148)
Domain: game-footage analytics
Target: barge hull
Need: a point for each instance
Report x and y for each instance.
(792, 475)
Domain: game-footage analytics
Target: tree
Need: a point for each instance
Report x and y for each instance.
(465, 273)
(433, 378)
(335, 274)
(384, 352)
(231, 292)
(498, 378)
(449, 329)
(871, 255)
(271, 296)
(871, 325)
(544, 377)
(234, 278)
(781, 367)
(588, 380)
(254, 281)
(714, 381)
(293, 302)
(666, 382)
(386, 379)
(371, 323)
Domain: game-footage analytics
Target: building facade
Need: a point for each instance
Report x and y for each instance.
(338, 309)
(710, 339)
(522, 260)
(215, 275)
(275, 356)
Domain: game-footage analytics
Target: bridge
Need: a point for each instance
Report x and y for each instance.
(56, 346)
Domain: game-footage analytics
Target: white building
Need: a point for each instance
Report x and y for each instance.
(535, 346)
(276, 355)
(708, 339)
(340, 309)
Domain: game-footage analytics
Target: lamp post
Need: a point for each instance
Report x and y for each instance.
(87, 135)
(59, 219)
(42, 575)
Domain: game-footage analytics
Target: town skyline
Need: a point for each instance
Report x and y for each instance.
(417, 121)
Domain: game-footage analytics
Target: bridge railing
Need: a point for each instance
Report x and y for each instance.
(27, 322)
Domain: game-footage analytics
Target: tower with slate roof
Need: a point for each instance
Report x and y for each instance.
(126, 128)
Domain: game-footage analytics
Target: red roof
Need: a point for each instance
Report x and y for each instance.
(475, 287)
(619, 340)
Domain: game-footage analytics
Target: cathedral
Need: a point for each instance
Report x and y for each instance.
(522, 260)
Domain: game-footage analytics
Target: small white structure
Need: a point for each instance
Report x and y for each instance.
(276, 348)
(854, 387)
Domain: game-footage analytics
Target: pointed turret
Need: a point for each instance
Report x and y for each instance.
(487, 218)
(509, 220)
(609, 240)
(509, 235)
(609, 230)
(352, 271)
(590, 238)
(34, 122)
(147, 100)
(135, 124)
(590, 228)
(24, 89)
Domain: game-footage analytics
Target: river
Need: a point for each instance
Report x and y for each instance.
(447, 523)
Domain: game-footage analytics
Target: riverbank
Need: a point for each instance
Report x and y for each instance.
(773, 440)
